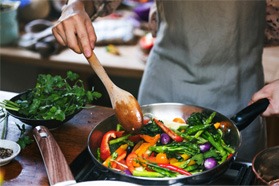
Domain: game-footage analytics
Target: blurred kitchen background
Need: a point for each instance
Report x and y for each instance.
(124, 41)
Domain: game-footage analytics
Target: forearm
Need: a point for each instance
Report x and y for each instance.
(97, 8)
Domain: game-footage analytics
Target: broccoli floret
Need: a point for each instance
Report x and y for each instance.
(200, 118)
(151, 129)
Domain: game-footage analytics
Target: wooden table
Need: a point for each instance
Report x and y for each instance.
(28, 167)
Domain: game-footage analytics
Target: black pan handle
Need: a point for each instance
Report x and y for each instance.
(244, 117)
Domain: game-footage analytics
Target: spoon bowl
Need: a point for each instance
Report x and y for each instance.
(127, 108)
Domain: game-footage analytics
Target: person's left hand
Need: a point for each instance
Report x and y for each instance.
(271, 92)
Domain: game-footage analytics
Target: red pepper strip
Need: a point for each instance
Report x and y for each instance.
(121, 165)
(172, 134)
(104, 148)
(129, 161)
(229, 156)
(119, 158)
(174, 168)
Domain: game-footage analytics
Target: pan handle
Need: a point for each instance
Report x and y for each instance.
(244, 117)
(56, 165)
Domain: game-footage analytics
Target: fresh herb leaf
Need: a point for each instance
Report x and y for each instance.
(23, 139)
(53, 97)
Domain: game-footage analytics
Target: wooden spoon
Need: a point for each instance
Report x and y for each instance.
(127, 108)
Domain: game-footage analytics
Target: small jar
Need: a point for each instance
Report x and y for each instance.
(9, 24)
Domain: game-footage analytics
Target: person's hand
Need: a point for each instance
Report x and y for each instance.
(271, 92)
(74, 29)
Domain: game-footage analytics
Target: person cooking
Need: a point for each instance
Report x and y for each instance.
(206, 53)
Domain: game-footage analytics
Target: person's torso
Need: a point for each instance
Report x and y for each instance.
(213, 48)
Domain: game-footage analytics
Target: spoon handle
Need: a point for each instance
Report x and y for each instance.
(101, 73)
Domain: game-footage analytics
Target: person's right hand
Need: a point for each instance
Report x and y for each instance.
(74, 29)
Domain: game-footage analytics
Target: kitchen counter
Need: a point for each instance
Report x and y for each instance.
(128, 64)
(28, 167)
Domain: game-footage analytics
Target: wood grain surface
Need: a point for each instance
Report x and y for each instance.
(28, 167)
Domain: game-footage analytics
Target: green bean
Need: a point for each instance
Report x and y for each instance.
(196, 128)
(217, 145)
(120, 139)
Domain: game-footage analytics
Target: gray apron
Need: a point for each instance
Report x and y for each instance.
(208, 53)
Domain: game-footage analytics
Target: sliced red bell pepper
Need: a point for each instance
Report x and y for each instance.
(104, 148)
(174, 168)
(121, 165)
(229, 156)
(171, 133)
(119, 158)
(129, 161)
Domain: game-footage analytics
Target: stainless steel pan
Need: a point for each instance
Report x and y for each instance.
(167, 111)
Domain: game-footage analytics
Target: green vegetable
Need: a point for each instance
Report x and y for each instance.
(24, 139)
(182, 148)
(161, 170)
(120, 139)
(217, 145)
(211, 153)
(7, 104)
(197, 118)
(98, 154)
(191, 168)
(210, 118)
(53, 97)
(119, 127)
(199, 159)
(227, 147)
(196, 128)
(145, 173)
(151, 129)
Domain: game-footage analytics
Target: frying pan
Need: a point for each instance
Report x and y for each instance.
(58, 171)
(168, 111)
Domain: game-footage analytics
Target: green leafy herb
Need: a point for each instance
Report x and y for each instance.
(23, 139)
(53, 97)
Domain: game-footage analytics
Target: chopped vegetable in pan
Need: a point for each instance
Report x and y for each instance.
(167, 148)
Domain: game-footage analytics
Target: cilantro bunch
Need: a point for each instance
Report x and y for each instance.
(53, 97)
